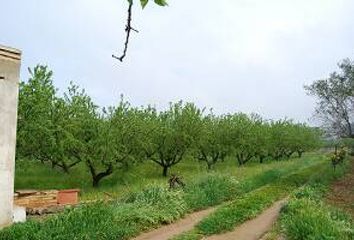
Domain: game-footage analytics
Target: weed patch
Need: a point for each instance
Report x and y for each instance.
(306, 217)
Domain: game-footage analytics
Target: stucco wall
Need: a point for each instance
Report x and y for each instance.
(9, 77)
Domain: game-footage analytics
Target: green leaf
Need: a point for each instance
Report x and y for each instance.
(161, 2)
(144, 3)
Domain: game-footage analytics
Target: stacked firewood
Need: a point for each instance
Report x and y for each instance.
(33, 198)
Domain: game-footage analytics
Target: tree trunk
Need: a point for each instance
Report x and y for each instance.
(165, 171)
(209, 165)
(64, 167)
(240, 161)
(53, 164)
(95, 182)
(299, 153)
(97, 178)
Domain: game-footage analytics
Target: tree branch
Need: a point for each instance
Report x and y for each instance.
(128, 28)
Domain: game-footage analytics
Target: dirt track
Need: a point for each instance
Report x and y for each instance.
(168, 231)
(253, 229)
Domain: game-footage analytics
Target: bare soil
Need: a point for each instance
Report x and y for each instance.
(254, 229)
(169, 231)
(341, 192)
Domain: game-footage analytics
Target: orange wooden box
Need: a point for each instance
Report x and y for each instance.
(68, 196)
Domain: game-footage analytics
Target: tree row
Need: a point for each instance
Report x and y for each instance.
(70, 129)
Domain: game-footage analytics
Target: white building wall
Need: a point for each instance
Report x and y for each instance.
(10, 60)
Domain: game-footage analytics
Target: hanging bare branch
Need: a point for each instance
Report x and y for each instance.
(128, 28)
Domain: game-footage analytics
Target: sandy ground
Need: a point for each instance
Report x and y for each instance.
(253, 229)
(168, 231)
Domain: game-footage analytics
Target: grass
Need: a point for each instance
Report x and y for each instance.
(307, 217)
(154, 205)
(105, 221)
(249, 206)
(226, 217)
(32, 174)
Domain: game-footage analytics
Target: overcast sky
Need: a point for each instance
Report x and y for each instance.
(232, 55)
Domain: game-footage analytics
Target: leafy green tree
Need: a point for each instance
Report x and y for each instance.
(107, 137)
(243, 138)
(281, 139)
(263, 138)
(335, 100)
(45, 131)
(304, 139)
(171, 134)
(214, 142)
(36, 99)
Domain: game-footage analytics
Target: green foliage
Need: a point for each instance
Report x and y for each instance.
(215, 142)
(171, 134)
(312, 192)
(225, 218)
(210, 190)
(145, 2)
(110, 140)
(69, 130)
(45, 129)
(288, 138)
(338, 156)
(150, 207)
(348, 143)
(306, 217)
(159, 197)
(192, 235)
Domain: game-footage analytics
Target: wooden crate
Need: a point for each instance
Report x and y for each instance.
(69, 196)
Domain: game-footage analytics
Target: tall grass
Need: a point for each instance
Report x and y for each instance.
(227, 217)
(152, 206)
(307, 217)
(118, 220)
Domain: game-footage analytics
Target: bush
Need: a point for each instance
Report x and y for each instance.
(349, 143)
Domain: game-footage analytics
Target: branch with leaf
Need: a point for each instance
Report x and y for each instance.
(128, 26)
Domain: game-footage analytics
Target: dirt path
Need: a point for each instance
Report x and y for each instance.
(253, 229)
(183, 225)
